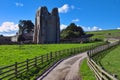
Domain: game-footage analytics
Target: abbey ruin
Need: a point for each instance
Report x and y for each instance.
(47, 26)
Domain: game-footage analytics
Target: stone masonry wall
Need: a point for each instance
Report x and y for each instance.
(47, 26)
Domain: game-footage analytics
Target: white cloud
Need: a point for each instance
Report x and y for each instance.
(75, 20)
(86, 28)
(19, 4)
(118, 28)
(8, 34)
(7, 27)
(64, 8)
(94, 28)
(62, 26)
(73, 7)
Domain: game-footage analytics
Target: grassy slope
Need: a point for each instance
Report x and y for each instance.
(85, 72)
(111, 62)
(104, 33)
(12, 53)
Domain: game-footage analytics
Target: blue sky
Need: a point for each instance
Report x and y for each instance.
(89, 14)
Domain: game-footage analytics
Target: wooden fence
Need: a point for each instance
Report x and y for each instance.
(15, 70)
(100, 73)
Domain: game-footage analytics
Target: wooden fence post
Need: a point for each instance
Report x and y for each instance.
(55, 53)
(35, 61)
(78, 49)
(115, 76)
(16, 71)
(59, 54)
(73, 50)
(50, 55)
(83, 48)
(27, 64)
(68, 51)
(47, 57)
(65, 51)
(41, 59)
(88, 53)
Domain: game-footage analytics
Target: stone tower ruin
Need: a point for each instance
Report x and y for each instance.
(47, 26)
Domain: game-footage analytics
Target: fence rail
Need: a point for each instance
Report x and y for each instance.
(15, 70)
(100, 73)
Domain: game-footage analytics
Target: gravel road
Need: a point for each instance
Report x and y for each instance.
(67, 69)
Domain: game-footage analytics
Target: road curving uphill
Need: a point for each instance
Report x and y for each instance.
(68, 69)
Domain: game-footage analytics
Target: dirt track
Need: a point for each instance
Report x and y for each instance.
(67, 69)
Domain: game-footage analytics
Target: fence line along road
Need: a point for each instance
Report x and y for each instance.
(100, 73)
(40, 62)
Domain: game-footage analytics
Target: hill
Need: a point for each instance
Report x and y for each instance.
(115, 33)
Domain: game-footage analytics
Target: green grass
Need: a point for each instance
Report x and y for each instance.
(14, 53)
(111, 62)
(85, 71)
(105, 33)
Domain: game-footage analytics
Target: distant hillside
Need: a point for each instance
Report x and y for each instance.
(105, 34)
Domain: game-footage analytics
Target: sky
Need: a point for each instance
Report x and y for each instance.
(91, 15)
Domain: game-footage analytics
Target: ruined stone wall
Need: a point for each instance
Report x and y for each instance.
(47, 26)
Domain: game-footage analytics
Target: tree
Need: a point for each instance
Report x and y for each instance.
(1, 35)
(21, 38)
(72, 31)
(25, 26)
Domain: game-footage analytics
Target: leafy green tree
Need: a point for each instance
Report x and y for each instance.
(72, 31)
(25, 26)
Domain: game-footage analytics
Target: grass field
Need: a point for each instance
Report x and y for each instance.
(105, 33)
(14, 53)
(110, 60)
(85, 72)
